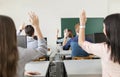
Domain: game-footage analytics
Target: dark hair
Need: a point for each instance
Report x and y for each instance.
(8, 47)
(70, 33)
(112, 25)
(29, 30)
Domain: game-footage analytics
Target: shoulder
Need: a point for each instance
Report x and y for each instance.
(31, 39)
(24, 51)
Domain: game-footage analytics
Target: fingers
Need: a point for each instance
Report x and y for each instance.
(83, 14)
(22, 27)
(33, 18)
(83, 18)
(32, 14)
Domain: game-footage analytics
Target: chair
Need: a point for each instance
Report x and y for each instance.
(99, 37)
(22, 41)
(96, 37)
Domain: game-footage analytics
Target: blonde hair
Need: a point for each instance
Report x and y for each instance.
(77, 27)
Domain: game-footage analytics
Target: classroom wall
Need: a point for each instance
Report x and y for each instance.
(114, 6)
(50, 12)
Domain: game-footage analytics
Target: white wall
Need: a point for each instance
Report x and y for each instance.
(51, 11)
(114, 6)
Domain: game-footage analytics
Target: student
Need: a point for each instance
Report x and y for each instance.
(13, 58)
(108, 51)
(67, 45)
(32, 41)
(67, 36)
(8, 48)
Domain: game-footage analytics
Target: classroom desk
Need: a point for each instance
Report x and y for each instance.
(41, 67)
(83, 68)
(65, 52)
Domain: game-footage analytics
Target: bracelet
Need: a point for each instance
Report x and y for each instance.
(82, 26)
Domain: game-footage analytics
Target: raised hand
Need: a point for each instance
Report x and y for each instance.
(22, 27)
(35, 23)
(34, 19)
(66, 33)
(83, 18)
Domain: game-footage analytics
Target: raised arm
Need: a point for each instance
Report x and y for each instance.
(57, 34)
(65, 37)
(21, 28)
(42, 44)
(82, 27)
(35, 22)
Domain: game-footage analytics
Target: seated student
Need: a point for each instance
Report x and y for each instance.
(68, 44)
(77, 51)
(13, 58)
(109, 51)
(32, 41)
(67, 34)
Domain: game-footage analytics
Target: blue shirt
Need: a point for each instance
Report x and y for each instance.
(76, 49)
(67, 46)
(74, 39)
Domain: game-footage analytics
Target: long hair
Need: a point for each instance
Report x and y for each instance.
(112, 25)
(8, 47)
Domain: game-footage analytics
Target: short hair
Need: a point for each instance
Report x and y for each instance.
(29, 30)
(8, 47)
(70, 33)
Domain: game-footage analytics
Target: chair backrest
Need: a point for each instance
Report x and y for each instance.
(77, 51)
(96, 37)
(99, 37)
(90, 37)
(22, 41)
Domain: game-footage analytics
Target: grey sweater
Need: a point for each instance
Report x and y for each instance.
(28, 54)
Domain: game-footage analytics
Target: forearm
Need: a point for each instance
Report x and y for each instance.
(39, 33)
(82, 27)
(81, 36)
(64, 41)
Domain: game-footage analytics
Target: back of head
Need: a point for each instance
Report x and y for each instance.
(8, 47)
(112, 28)
(29, 30)
(70, 33)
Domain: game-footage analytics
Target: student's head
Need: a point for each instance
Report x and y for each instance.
(29, 30)
(77, 28)
(112, 32)
(8, 47)
(70, 33)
